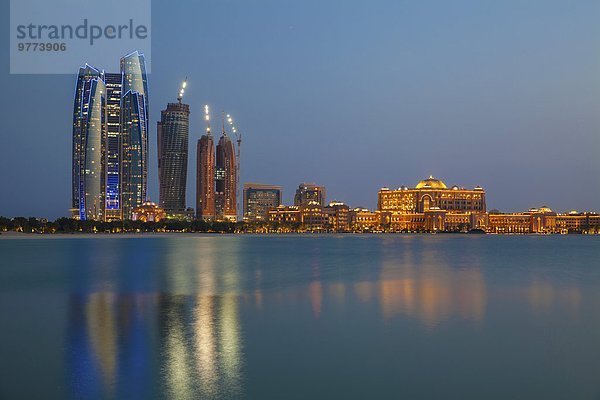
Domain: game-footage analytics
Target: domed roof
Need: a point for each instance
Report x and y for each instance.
(431, 183)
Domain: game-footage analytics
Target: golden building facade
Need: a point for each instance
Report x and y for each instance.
(338, 215)
(544, 220)
(362, 219)
(148, 212)
(431, 193)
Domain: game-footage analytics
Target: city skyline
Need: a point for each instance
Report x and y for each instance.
(511, 107)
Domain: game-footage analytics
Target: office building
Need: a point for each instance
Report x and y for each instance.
(89, 140)
(259, 199)
(110, 141)
(309, 192)
(172, 140)
(134, 133)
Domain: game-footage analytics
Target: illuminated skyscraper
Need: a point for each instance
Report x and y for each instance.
(110, 141)
(113, 148)
(172, 135)
(89, 138)
(226, 180)
(205, 175)
(216, 177)
(134, 133)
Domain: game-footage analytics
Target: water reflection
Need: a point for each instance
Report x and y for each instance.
(544, 297)
(171, 325)
(109, 339)
(201, 346)
(119, 342)
(315, 293)
(422, 284)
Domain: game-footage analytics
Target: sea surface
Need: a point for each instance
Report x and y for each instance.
(300, 317)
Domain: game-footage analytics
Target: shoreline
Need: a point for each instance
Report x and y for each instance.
(79, 235)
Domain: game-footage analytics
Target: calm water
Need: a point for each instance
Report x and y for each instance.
(300, 317)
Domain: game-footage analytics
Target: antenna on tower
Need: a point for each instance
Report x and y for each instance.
(207, 118)
(182, 90)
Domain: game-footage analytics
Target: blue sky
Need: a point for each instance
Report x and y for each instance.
(352, 95)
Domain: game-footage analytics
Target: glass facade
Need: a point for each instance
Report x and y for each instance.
(134, 133)
(110, 141)
(89, 140)
(172, 139)
(259, 199)
(113, 153)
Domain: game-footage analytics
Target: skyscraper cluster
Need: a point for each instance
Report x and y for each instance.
(110, 151)
(110, 141)
(216, 176)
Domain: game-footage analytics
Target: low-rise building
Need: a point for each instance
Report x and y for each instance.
(363, 219)
(338, 216)
(148, 212)
(285, 215)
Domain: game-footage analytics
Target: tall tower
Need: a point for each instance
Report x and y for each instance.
(113, 143)
(226, 179)
(205, 174)
(89, 138)
(134, 133)
(173, 136)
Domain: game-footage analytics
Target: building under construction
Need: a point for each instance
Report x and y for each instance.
(217, 175)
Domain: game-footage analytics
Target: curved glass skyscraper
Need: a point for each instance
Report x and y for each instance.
(110, 141)
(89, 140)
(134, 133)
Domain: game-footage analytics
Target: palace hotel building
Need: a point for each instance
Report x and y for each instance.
(432, 206)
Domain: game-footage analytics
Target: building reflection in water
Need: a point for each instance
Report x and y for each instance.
(412, 281)
(544, 297)
(426, 287)
(201, 346)
(120, 343)
(202, 339)
(315, 293)
(109, 338)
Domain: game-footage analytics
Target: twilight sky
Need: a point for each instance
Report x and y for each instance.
(352, 95)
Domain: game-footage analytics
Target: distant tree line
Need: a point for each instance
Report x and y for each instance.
(70, 225)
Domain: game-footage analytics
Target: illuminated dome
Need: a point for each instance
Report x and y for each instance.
(431, 183)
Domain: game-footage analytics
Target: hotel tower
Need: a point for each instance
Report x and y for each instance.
(205, 174)
(216, 177)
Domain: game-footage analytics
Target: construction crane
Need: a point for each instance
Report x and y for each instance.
(238, 138)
